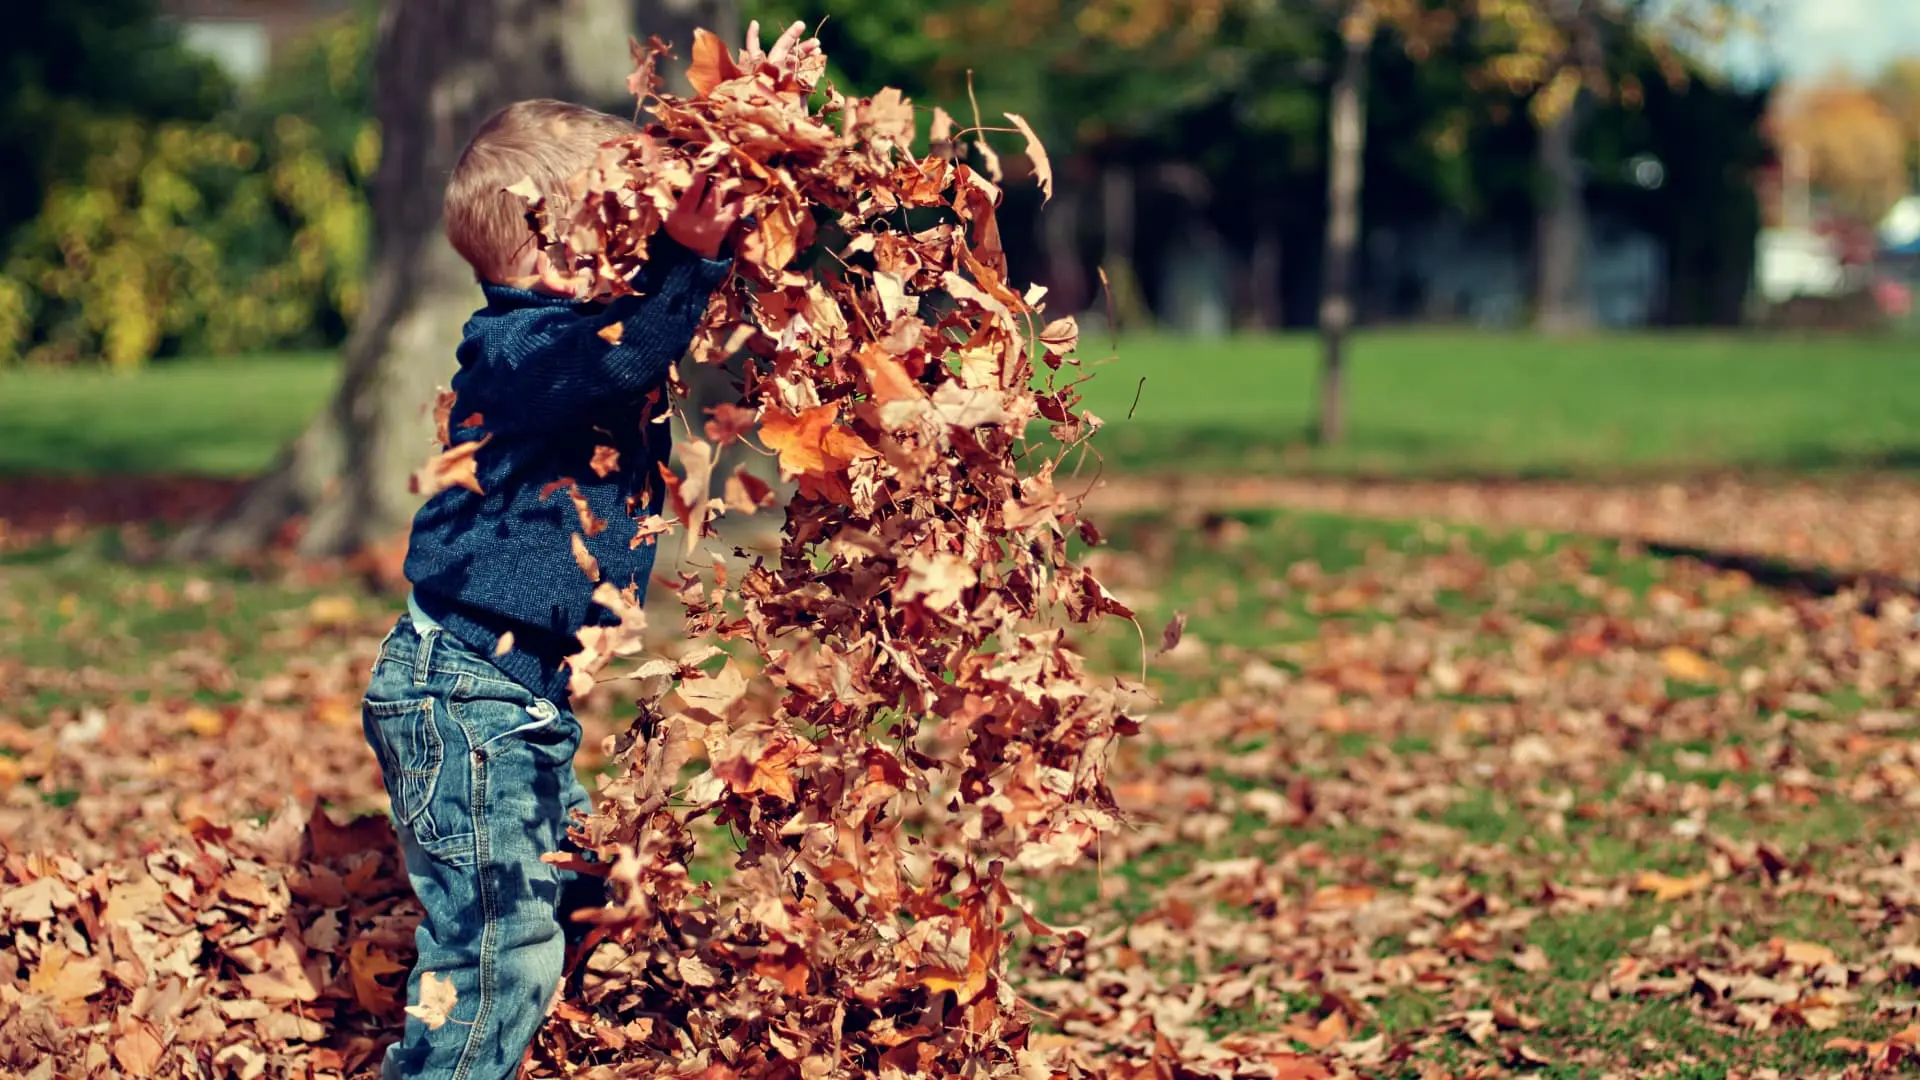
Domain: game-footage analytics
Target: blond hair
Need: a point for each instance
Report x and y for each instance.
(541, 140)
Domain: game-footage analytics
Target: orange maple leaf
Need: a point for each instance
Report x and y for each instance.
(886, 376)
(798, 439)
(69, 980)
(454, 467)
(1666, 887)
(1331, 1029)
(365, 964)
(712, 64)
(770, 772)
(813, 448)
(138, 1049)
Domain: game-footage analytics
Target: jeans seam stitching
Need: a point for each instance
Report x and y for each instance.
(489, 918)
(438, 752)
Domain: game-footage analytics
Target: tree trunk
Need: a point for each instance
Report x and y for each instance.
(1561, 304)
(1118, 208)
(1347, 132)
(1261, 307)
(442, 67)
(1066, 277)
(1560, 231)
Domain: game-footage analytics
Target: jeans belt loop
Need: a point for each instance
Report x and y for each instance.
(423, 657)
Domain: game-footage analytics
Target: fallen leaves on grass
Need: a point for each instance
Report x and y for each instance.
(259, 942)
(1306, 828)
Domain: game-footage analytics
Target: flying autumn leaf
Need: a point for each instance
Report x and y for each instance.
(729, 422)
(938, 580)
(1170, 635)
(584, 559)
(746, 493)
(885, 375)
(1037, 154)
(714, 694)
(437, 998)
(687, 491)
(780, 235)
(712, 64)
(1060, 337)
(454, 467)
(814, 449)
(799, 439)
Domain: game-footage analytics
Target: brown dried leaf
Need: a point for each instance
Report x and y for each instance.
(712, 64)
(437, 998)
(1666, 888)
(1170, 634)
(1037, 154)
(454, 467)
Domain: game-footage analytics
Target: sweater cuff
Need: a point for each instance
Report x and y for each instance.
(683, 284)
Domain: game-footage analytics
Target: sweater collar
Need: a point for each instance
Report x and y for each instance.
(507, 298)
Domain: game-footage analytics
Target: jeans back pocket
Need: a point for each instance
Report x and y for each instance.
(407, 742)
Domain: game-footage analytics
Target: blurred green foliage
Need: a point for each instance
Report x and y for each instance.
(174, 211)
(148, 207)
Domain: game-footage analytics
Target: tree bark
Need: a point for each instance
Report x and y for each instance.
(1347, 134)
(1561, 303)
(1118, 207)
(1261, 307)
(441, 68)
(1560, 230)
(1059, 223)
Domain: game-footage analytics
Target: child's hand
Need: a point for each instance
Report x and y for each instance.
(789, 56)
(703, 218)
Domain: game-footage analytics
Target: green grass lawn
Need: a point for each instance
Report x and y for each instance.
(202, 417)
(1423, 403)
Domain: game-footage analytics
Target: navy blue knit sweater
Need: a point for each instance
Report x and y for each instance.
(540, 384)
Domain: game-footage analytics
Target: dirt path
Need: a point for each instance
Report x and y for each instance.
(1860, 525)
(1869, 525)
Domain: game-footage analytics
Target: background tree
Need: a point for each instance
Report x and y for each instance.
(64, 64)
(1851, 145)
(1556, 56)
(1898, 88)
(1346, 134)
(440, 68)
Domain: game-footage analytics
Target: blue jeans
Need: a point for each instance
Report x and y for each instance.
(480, 775)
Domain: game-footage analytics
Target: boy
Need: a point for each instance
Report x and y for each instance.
(467, 706)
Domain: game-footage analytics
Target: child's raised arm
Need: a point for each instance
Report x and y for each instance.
(559, 364)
